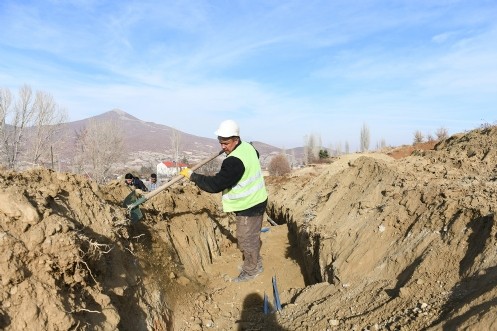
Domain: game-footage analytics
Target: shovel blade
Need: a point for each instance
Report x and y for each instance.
(135, 214)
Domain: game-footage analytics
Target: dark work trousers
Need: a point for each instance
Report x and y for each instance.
(248, 233)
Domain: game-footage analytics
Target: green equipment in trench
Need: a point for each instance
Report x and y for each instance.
(135, 214)
(132, 201)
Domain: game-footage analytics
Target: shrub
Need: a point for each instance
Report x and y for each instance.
(323, 154)
(279, 165)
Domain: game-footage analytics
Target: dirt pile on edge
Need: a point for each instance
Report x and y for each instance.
(396, 244)
(64, 264)
(70, 260)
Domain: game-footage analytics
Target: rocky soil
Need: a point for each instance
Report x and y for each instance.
(367, 242)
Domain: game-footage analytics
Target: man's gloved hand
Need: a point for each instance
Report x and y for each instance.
(139, 192)
(186, 172)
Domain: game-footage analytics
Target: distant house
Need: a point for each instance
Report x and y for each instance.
(169, 168)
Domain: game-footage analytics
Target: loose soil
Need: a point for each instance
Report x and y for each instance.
(371, 241)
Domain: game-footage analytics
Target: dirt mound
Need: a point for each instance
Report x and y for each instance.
(408, 244)
(368, 242)
(64, 265)
(71, 260)
(408, 150)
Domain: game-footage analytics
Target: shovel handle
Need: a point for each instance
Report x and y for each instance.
(171, 182)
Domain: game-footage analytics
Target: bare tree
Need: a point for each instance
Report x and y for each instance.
(347, 147)
(381, 144)
(306, 150)
(279, 165)
(442, 133)
(365, 138)
(337, 149)
(101, 146)
(293, 160)
(5, 104)
(28, 126)
(319, 145)
(175, 144)
(19, 116)
(418, 137)
(311, 148)
(79, 157)
(47, 122)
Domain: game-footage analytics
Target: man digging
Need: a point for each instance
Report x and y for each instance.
(243, 192)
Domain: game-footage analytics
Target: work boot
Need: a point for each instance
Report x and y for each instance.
(243, 277)
(260, 267)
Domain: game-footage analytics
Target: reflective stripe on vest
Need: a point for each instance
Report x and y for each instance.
(250, 190)
(241, 185)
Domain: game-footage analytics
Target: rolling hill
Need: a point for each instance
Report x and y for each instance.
(148, 143)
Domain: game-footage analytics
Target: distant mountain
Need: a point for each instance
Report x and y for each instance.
(145, 140)
(147, 136)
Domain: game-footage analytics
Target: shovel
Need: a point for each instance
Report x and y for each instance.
(132, 201)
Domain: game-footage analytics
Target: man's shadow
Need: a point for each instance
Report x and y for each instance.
(253, 316)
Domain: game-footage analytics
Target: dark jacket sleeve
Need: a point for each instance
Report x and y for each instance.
(139, 184)
(229, 175)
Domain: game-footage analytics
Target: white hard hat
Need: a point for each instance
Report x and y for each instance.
(227, 129)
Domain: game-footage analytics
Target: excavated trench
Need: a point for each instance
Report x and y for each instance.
(190, 231)
(298, 243)
(194, 259)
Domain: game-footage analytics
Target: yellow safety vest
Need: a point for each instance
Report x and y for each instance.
(250, 190)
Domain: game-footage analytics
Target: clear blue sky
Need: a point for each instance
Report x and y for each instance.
(282, 69)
